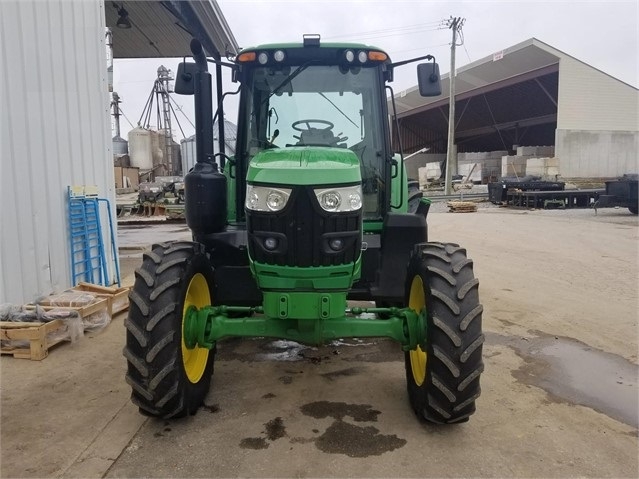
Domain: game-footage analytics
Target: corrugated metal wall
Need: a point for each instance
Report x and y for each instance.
(597, 123)
(591, 100)
(55, 132)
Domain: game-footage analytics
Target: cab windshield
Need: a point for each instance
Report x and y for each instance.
(319, 105)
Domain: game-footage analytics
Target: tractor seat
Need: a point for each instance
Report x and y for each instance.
(318, 137)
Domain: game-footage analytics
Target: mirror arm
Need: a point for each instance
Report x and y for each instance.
(405, 62)
(198, 55)
(232, 66)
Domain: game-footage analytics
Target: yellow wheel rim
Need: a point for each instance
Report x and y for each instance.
(418, 358)
(194, 360)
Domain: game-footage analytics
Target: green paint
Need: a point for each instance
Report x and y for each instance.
(285, 46)
(373, 227)
(208, 325)
(231, 190)
(304, 165)
(306, 306)
(399, 188)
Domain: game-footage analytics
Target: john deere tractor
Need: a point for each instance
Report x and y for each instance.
(313, 210)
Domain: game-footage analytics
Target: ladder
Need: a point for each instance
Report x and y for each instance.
(88, 259)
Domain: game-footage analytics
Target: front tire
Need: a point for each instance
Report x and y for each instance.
(168, 379)
(443, 379)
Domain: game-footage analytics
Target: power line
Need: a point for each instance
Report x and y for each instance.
(463, 43)
(125, 117)
(400, 30)
(421, 48)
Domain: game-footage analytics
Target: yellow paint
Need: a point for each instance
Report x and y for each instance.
(194, 360)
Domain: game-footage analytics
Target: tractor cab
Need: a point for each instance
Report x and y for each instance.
(299, 97)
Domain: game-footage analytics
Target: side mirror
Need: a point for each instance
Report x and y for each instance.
(427, 78)
(185, 79)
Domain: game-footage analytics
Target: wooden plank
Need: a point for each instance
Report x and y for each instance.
(118, 298)
(84, 311)
(35, 333)
(462, 206)
(95, 288)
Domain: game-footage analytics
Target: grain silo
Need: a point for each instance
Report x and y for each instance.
(141, 148)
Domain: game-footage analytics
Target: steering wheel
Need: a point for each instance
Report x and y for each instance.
(296, 125)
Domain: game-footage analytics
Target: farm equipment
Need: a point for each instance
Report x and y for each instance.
(313, 210)
(621, 192)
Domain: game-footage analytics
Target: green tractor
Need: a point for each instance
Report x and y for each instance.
(313, 210)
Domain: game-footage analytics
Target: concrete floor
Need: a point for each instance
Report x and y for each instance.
(559, 397)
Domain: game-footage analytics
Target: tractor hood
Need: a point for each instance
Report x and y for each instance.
(305, 166)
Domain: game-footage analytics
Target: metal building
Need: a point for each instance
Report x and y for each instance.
(531, 94)
(55, 116)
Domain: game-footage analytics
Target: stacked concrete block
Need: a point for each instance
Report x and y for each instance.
(471, 157)
(429, 173)
(488, 165)
(537, 151)
(513, 165)
(546, 168)
(414, 163)
(465, 169)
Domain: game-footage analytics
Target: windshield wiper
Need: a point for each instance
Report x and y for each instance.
(284, 82)
(338, 109)
(290, 78)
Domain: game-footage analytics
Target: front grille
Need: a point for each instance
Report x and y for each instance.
(303, 229)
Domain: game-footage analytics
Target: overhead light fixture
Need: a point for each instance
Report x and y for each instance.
(123, 17)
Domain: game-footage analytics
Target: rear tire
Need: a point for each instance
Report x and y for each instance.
(414, 196)
(633, 209)
(167, 379)
(443, 380)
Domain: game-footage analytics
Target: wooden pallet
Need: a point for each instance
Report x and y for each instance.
(462, 206)
(100, 304)
(35, 333)
(118, 298)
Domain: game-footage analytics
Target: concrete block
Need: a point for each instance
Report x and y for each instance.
(513, 165)
(430, 172)
(492, 162)
(466, 168)
(536, 150)
(547, 168)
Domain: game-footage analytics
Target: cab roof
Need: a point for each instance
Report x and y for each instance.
(328, 45)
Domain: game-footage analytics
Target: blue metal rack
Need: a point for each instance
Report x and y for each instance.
(88, 259)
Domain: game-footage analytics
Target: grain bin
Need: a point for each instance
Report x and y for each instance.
(187, 149)
(140, 148)
(120, 146)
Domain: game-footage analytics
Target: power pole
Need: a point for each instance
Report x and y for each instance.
(455, 24)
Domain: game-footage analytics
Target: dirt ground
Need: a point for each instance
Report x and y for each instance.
(559, 392)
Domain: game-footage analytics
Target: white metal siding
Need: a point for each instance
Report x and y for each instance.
(55, 132)
(591, 100)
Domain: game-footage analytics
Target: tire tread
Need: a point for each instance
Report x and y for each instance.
(454, 340)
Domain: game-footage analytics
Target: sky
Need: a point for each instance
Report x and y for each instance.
(604, 34)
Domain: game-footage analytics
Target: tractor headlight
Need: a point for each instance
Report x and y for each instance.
(348, 198)
(276, 200)
(349, 55)
(265, 198)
